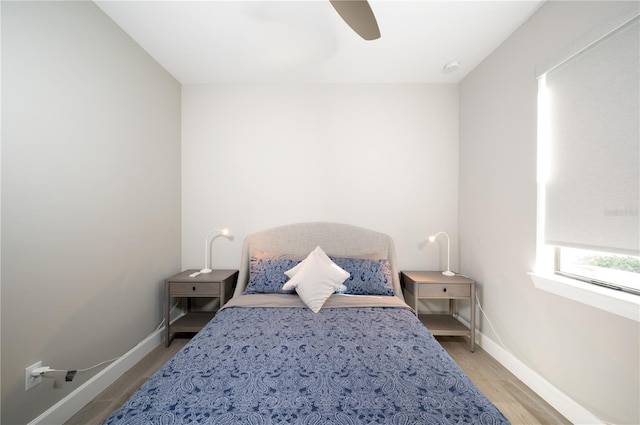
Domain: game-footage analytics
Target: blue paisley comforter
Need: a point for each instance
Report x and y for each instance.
(343, 366)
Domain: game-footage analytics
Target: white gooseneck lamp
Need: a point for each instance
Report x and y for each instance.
(432, 238)
(207, 269)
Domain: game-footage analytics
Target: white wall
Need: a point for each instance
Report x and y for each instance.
(590, 355)
(90, 194)
(377, 156)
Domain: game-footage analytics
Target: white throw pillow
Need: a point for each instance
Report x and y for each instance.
(315, 279)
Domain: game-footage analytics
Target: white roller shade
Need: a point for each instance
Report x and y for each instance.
(593, 187)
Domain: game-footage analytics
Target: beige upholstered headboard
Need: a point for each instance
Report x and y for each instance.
(334, 238)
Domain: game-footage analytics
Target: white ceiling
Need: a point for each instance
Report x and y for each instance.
(306, 41)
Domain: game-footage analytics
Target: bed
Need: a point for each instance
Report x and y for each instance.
(272, 356)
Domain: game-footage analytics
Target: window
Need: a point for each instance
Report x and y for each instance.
(588, 156)
(615, 271)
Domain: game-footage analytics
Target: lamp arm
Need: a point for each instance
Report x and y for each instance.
(448, 254)
(207, 269)
(447, 272)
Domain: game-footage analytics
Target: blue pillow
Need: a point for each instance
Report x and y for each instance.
(266, 275)
(368, 277)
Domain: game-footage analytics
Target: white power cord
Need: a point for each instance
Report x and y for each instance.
(170, 311)
(487, 317)
(61, 376)
(491, 324)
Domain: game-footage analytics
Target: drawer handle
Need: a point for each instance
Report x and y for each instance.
(445, 289)
(194, 288)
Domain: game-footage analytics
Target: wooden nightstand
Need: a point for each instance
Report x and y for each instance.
(217, 284)
(434, 285)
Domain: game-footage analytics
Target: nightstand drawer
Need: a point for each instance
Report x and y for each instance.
(202, 289)
(444, 290)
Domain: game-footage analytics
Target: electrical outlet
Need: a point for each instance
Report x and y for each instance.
(31, 381)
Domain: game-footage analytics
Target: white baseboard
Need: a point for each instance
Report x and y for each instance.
(564, 404)
(76, 400)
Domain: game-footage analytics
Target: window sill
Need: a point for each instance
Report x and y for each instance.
(610, 300)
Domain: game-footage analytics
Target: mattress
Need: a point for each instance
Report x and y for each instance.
(267, 359)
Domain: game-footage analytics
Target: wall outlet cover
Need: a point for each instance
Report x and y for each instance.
(31, 381)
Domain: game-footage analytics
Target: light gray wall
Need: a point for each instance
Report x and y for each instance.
(377, 156)
(590, 355)
(90, 194)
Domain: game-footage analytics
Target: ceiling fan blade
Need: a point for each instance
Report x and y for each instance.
(359, 16)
